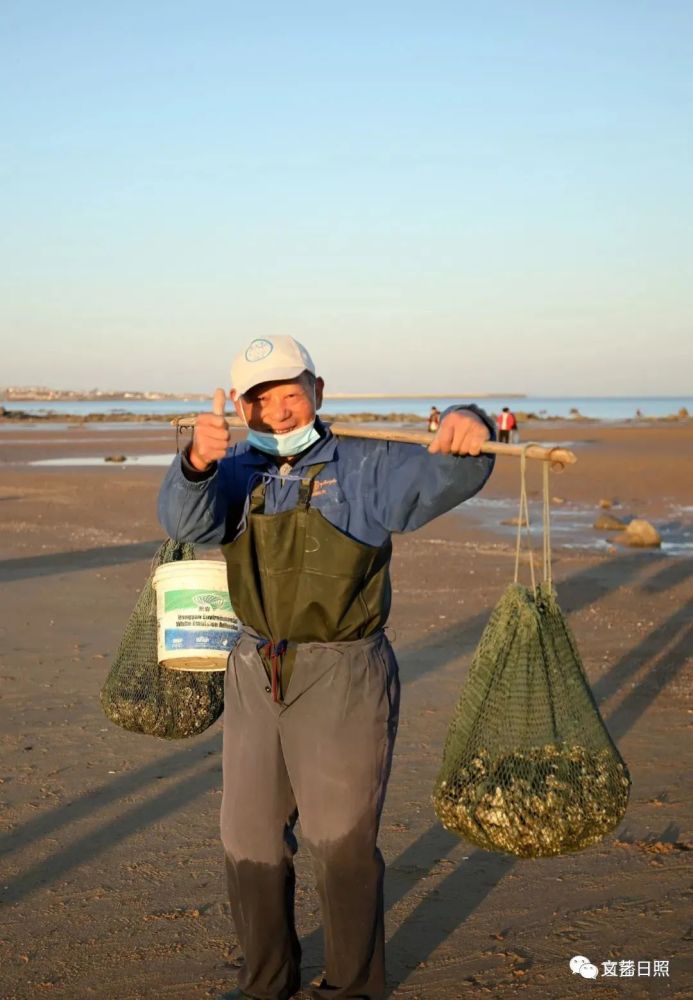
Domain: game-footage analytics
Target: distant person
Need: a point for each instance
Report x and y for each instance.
(506, 423)
(434, 419)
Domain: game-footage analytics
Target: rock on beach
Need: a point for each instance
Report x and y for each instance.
(641, 534)
(607, 522)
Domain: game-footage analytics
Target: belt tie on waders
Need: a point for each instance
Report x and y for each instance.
(295, 578)
(275, 653)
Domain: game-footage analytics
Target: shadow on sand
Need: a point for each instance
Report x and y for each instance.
(665, 650)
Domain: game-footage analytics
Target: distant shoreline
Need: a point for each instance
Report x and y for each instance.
(362, 408)
(66, 396)
(19, 417)
(425, 395)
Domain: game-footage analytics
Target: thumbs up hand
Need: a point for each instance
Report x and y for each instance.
(211, 436)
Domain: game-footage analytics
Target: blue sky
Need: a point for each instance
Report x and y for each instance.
(433, 197)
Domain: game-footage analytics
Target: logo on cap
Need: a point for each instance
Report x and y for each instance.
(259, 350)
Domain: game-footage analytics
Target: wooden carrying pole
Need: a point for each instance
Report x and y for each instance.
(557, 456)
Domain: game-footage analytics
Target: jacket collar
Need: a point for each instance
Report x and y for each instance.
(322, 451)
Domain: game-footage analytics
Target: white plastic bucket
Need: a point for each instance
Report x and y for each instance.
(196, 625)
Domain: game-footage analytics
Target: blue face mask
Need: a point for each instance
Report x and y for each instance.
(292, 443)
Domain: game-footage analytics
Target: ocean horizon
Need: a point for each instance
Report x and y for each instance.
(595, 407)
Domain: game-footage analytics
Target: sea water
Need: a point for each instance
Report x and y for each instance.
(596, 407)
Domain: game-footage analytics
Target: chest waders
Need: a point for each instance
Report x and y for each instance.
(293, 578)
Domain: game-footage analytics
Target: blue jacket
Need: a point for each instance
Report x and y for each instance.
(367, 488)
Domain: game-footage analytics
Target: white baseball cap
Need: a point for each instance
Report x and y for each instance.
(269, 359)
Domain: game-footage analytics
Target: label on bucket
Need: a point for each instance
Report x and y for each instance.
(197, 619)
(207, 639)
(197, 600)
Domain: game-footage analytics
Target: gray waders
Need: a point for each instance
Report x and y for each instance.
(310, 717)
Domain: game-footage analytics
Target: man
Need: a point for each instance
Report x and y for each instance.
(433, 420)
(506, 423)
(312, 690)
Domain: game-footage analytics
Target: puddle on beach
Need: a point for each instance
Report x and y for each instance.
(84, 460)
(77, 440)
(97, 427)
(571, 526)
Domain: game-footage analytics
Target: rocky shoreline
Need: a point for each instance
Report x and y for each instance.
(364, 417)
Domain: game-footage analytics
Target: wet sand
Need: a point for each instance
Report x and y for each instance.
(112, 879)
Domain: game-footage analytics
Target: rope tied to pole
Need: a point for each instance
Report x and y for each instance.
(524, 521)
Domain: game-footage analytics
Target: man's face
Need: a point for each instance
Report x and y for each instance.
(280, 407)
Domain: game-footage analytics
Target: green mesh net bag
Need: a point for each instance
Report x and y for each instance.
(529, 768)
(143, 697)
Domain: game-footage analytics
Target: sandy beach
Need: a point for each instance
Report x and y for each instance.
(112, 872)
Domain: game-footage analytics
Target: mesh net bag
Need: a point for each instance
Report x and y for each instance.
(529, 768)
(143, 697)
